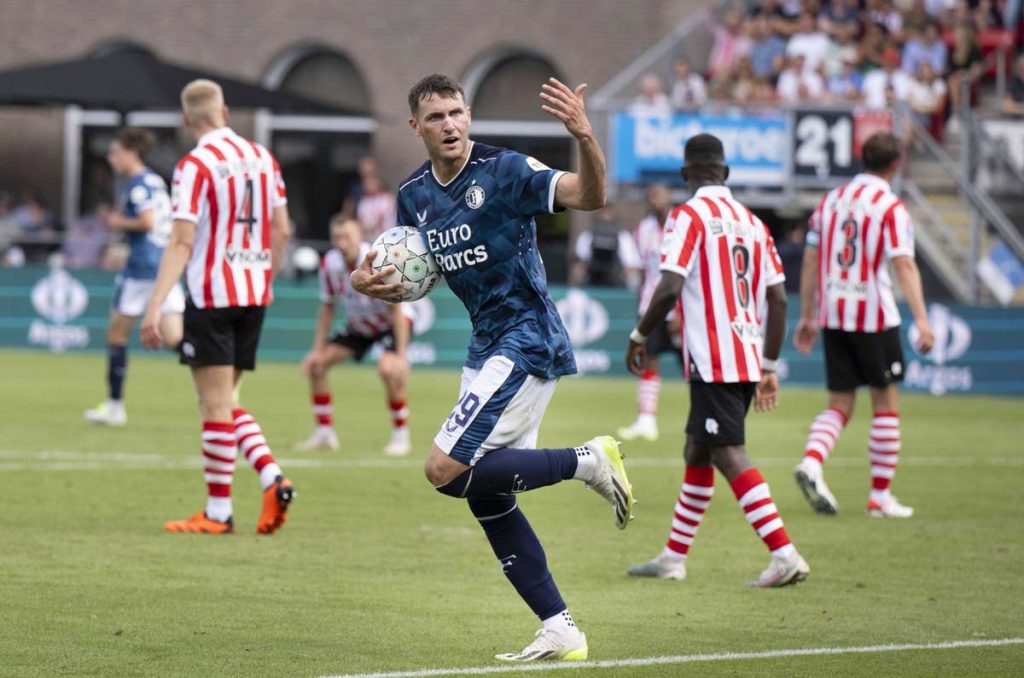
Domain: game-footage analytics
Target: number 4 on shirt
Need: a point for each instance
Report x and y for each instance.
(245, 212)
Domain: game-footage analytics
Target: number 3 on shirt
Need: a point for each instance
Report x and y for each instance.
(848, 255)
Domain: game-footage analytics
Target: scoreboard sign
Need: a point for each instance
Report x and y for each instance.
(827, 142)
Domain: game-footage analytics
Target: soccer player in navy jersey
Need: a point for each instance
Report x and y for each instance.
(144, 216)
(475, 205)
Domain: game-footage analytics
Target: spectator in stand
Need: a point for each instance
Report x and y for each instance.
(883, 13)
(925, 47)
(940, 9)
(842, 48)
(796, 84)
(838, 15)
(809, 43)
(846, 85)
(927, 100)
(887, 86)
(917, 17)
(740, 87)
(780, 21)
(606, 254)
(33, 218)
(873, 44)
(689, 91)
(370, 202)
(731, 44)
(791, 254)
(767, 49)
(987, 16)
(965, 65)
(652, 100)
(86, 238)
(1013, 102)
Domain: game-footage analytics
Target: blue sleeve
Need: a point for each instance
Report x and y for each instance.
(139, 198)
(405, 213)
(532, 184)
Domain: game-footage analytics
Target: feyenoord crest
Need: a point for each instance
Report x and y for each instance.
(475, 196)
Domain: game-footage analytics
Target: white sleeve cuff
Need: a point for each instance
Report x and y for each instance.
(555, 176)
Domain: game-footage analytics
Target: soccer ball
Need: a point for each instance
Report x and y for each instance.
(404, 248)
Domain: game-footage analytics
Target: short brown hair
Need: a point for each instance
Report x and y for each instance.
(880, 151)
(431, 85)
(135, 139)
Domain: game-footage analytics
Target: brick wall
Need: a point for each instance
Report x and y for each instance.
(392, 43)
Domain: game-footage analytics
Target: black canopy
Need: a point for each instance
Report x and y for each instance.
(132, 80)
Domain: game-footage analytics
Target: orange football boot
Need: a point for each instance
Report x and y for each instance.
(200, 524)
(276, 499)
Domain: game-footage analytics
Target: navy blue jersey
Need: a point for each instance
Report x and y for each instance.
(480, 228)
(142, 192)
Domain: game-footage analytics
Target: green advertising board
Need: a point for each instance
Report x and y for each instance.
(53, 309)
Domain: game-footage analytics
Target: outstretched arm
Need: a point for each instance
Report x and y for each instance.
(583, 190)
(665, 296)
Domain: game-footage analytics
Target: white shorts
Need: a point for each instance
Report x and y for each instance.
(500, 405)
(133, 294)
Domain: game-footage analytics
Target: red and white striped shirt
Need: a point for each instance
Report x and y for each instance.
(228, 186)
(364, 316)
(858, 228)
(729, 260)
(649, 234)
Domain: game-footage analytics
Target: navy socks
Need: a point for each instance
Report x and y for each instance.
(117, 360)
(519, 552)
(511, 471)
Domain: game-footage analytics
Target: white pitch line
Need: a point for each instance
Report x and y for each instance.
(688, 659)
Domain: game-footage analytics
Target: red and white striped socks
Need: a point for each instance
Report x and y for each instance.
(825, 430)
(884, 452)
(647, 391)
(323, 411)
(755, 499)
(219, 454)
(693, 501)
(254, 446)
(399, 413)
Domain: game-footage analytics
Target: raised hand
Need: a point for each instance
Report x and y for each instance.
(567, 105)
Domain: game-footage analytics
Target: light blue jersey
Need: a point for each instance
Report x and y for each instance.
(142, 192)
(480, 227)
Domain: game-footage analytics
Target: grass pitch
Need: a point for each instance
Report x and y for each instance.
(377, 572)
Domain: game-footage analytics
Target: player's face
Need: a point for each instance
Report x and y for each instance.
(346, 238)
(118, 156)
(443, 124)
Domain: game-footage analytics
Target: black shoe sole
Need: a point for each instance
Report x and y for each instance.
(817, 502)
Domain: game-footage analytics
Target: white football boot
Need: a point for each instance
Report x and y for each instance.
(400, 444)
(644, 428)
(108, 413)
(550, 645)
(323, 438)
(662, 567)
(890, 507)
(610, 479)
(782, 572)
(811, 480)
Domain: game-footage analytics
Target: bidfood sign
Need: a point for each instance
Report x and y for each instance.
(937, 371)
(59, 298)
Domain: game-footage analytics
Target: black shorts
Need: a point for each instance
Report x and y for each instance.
(221, 336)
(853, 359)
(718, 411)
(359, 344)
(662, 340)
